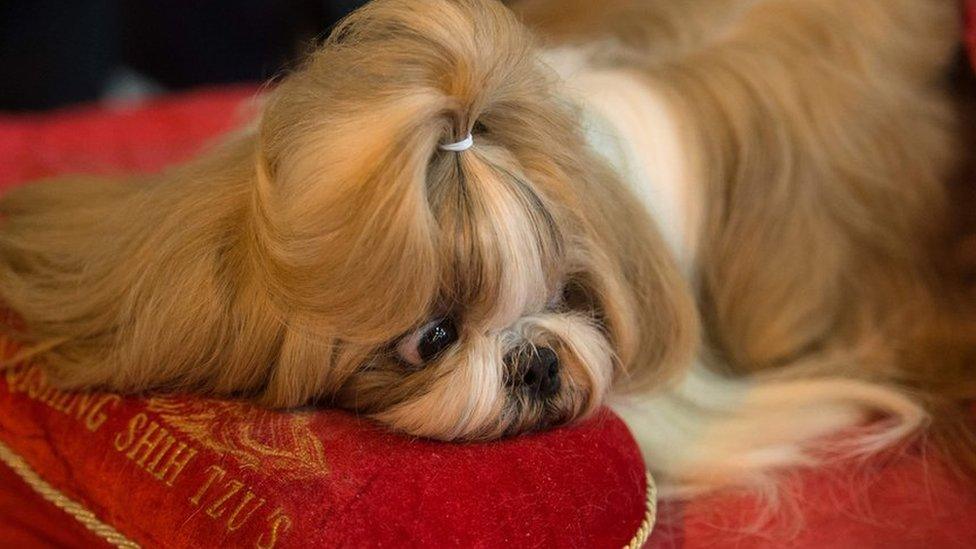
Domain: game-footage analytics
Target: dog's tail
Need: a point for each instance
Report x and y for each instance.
(715, 431)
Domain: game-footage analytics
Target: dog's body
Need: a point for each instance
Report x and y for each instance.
(767, 217)
(656, 198)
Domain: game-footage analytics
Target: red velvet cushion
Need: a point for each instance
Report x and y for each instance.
(183, 471)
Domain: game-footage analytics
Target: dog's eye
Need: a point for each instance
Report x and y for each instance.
(428, 342)
(575, 296)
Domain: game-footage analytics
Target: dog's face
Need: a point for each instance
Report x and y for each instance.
(452, 295)
(511, 335)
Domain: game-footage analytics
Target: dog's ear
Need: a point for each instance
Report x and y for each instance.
(630, 277)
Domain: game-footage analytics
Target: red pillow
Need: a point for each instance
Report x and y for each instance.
(184, 471)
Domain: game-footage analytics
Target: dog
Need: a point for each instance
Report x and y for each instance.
(468, 220)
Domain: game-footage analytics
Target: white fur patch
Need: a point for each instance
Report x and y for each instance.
(635, 129)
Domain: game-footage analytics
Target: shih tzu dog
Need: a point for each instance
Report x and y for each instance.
(468, 221)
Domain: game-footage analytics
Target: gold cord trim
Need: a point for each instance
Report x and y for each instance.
(650, 516)
(73, 508)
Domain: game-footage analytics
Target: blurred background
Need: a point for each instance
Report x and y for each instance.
(55, 53)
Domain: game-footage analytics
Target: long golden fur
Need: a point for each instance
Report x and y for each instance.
(286, 264)
(283, 264)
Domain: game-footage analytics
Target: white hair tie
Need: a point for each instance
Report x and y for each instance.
(460, 146)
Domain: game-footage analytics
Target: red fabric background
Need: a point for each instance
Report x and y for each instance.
(324, 478)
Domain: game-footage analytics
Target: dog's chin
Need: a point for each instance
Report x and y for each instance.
(503, 414)
(475, 392)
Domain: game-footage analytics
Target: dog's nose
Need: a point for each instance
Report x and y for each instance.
(541, 377)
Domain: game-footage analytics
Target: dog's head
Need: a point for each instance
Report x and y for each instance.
(454, 295)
